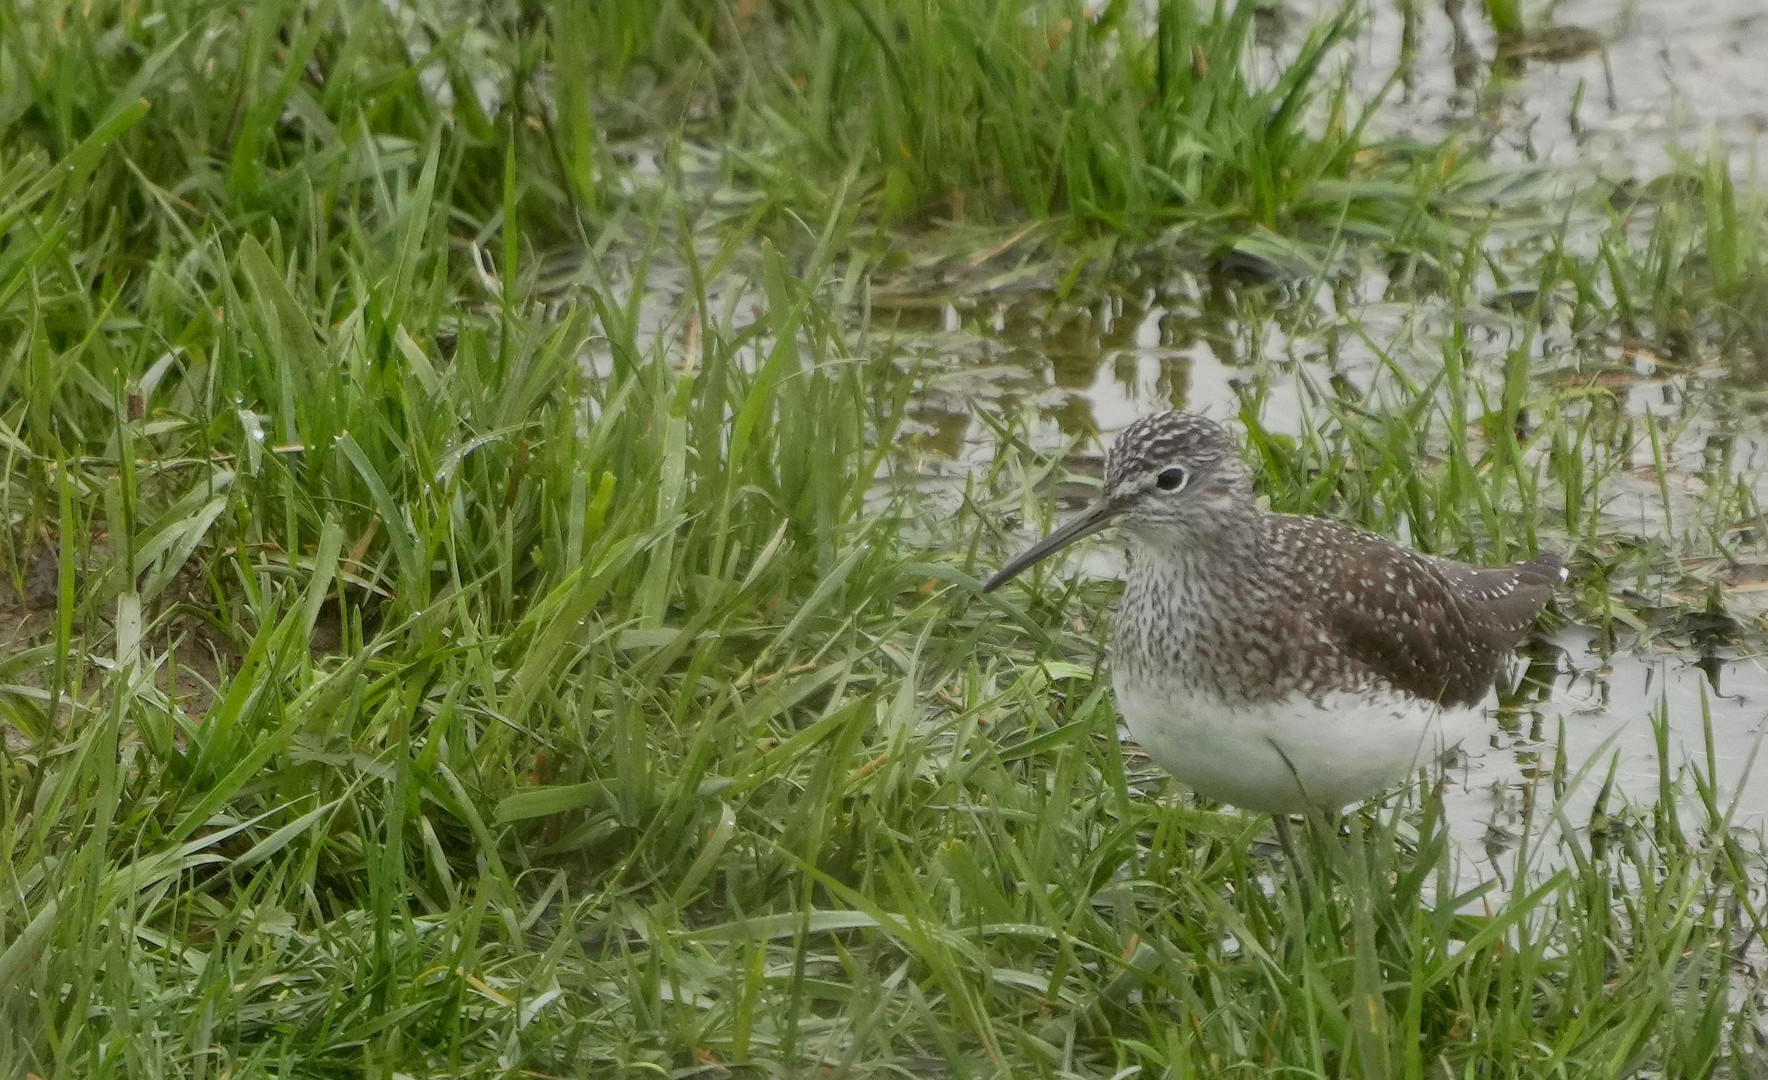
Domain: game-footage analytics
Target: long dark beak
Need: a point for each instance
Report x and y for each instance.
(1094, 518)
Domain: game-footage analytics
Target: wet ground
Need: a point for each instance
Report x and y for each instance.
(1618, 85)
(1587, 713)
(1686, 73)
(1085, 370)
(1001, 346)
(1088, 371)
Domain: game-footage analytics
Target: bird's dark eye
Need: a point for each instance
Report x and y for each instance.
(1171, 478)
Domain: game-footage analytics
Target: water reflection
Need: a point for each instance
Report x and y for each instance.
(1690, 71)
(1576, 713)
(1088, 366)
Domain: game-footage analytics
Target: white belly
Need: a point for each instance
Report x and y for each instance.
(1285, 756)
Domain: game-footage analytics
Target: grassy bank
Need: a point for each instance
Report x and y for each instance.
(466, 617)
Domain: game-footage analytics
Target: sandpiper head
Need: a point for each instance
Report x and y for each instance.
(1173, 475)
(1171, 479)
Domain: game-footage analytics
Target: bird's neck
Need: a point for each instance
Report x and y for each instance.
(1184, 592)
(1216, 558)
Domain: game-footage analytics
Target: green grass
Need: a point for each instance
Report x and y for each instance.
(1505, 16)
(471, 619)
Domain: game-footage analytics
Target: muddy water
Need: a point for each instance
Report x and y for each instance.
(1619, 85)
(1584, 713)
(1085, 370)
(1084, 367)
(1620, 101)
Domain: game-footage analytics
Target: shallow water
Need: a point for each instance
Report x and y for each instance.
(1587, 712)
(1084, 369)
(1077, 370)
(1094, 369)
(1680, 75)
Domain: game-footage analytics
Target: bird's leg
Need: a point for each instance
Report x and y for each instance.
(1297, 869)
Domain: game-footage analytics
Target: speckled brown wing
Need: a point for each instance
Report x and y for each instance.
(1433, 628)
(1508, 598)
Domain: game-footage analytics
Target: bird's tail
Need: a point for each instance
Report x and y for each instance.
(1546, 569)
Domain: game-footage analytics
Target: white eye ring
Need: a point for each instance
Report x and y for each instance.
(1172, 478)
